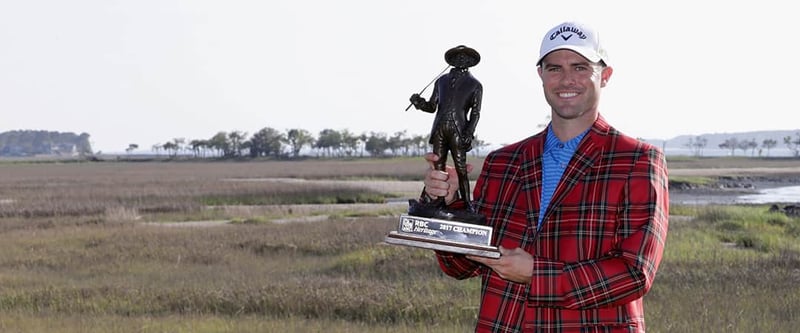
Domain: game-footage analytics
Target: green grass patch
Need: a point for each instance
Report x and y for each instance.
(690, 181)
(731, 268)
(751, 227)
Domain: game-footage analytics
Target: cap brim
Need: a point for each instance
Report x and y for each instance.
(587, 53)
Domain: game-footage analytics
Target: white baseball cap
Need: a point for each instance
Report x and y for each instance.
(576, 37)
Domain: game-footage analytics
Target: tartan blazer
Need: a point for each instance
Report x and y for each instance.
(600, 243)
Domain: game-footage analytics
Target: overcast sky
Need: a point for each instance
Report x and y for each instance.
(149, 71)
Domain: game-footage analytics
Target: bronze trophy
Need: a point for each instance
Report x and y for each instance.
(456, 100)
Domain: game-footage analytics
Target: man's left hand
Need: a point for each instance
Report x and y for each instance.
(466, 143)
(514, 264)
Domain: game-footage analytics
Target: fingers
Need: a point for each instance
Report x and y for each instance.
(431, 158)
(436, 184)
(441, 183)
(514, 264)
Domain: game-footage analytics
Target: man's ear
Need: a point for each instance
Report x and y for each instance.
(605, 76)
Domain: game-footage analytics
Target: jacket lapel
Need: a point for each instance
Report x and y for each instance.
(589, 150)
(531, 186)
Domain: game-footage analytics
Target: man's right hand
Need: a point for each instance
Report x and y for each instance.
(416, 100)
(441, 183)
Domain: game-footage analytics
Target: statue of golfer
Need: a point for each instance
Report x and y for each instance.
(456, 100)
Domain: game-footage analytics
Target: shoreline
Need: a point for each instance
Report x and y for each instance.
(728, 186)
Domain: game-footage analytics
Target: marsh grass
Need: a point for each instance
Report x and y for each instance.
(689, 181)
(336, 270)
(729, 269)
(97, 266)
(105, 192)
(304, 196)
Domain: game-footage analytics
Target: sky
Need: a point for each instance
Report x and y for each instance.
(146, 72)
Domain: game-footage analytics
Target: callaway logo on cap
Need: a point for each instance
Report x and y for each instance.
(576, 37)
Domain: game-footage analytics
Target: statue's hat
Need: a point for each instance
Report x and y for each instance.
(451, 56)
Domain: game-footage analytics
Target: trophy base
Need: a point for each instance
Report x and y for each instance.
(444, 235)
(397, 238)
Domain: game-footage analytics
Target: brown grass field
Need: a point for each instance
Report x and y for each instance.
(296, 246)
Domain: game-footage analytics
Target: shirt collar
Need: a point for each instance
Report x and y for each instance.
(552, 141)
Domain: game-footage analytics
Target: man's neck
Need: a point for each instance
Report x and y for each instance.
(566, 129)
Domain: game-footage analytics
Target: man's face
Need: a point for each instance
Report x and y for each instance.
(572, 84)
(462, 60)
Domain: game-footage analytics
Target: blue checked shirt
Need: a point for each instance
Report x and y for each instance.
(556, 157)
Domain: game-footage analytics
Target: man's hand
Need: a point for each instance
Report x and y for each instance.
(441, 183)
(513, 265)
(416, 100)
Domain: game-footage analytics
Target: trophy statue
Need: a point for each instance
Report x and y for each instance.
(456, 100)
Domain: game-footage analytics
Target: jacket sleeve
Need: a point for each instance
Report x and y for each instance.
(457, 265)
(626, 272)
(430, 106)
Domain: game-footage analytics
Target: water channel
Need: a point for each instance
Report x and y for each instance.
(786, 194)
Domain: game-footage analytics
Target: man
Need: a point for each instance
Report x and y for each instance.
(580, 211)
(456, 99)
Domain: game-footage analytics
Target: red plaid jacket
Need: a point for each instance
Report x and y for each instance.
(600, 243)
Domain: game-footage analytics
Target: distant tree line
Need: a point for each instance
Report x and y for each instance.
(294, 143)
(31, 143)
(698, 144)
